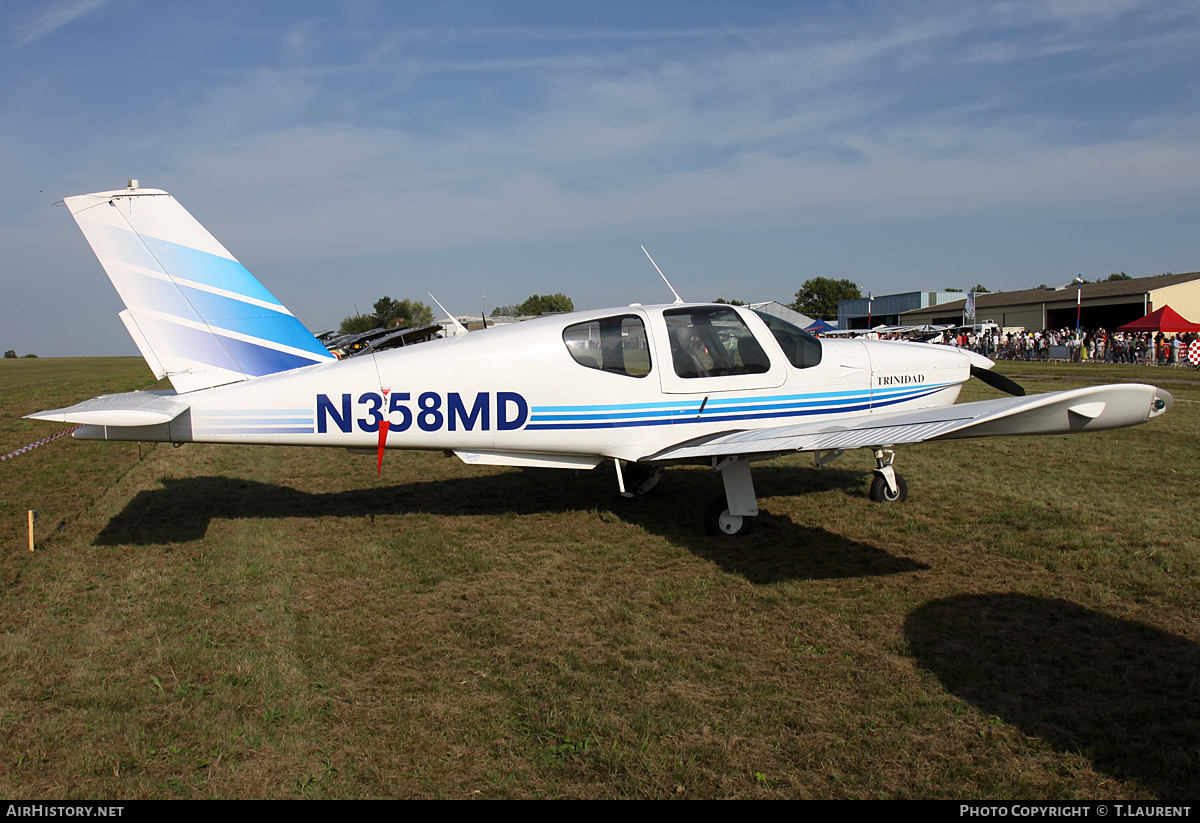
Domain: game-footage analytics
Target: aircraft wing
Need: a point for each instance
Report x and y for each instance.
(1090, 409)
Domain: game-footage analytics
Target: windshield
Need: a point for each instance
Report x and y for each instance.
(802, 349)
(707, 341)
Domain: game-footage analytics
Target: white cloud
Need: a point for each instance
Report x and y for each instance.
(594, 133)
(57, 16)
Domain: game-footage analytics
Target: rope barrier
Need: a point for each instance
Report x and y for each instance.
(41, 442)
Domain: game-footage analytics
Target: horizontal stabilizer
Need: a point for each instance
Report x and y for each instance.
(197, 315)
(139, 408)
(1091, 409)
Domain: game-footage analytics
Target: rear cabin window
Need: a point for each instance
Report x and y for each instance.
(802, 349)
(611, 344)
(711, 342)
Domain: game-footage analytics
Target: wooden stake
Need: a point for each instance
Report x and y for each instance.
(32, 517)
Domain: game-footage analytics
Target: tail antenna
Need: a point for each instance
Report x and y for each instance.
(678, 299)
(453, 319)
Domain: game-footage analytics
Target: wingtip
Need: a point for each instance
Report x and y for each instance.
(1162, 402)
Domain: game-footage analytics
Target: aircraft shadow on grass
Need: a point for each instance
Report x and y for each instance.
(1120, 693)
(778, 549)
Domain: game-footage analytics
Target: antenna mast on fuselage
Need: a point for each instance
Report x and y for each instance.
(678, 299)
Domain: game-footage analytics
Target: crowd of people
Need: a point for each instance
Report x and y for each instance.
(1099, 345)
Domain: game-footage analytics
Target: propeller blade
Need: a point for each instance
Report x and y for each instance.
(998, 381)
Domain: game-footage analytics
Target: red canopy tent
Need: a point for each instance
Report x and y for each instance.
(1165, 319)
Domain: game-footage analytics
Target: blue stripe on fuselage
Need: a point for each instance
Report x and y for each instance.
(690, 414)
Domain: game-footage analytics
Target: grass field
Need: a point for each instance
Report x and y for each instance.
(215, 621)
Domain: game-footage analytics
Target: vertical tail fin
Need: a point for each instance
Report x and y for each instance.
(195, 312)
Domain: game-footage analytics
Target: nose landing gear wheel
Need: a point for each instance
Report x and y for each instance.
(880, 492)
(718, 520)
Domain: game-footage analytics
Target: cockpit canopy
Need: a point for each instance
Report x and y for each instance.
(705, 341)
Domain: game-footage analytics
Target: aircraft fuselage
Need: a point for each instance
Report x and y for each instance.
(549, 392)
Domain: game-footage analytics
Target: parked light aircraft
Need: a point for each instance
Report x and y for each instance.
(643, 386)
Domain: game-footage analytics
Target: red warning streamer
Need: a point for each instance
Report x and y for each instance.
(383, 430)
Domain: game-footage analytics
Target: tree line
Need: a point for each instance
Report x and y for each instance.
(537, 304)
(389, 312)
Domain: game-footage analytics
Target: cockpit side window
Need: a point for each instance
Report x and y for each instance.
(802, 349)
(611, 344)
(708, 341)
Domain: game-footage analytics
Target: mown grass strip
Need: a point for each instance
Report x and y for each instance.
(255, 622)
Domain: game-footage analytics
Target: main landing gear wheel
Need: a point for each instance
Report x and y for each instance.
(718, 520)
(640, 480)
(880, 492)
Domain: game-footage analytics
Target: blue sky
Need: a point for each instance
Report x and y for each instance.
(486, 151)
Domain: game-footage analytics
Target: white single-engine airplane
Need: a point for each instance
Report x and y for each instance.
(643, 386)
